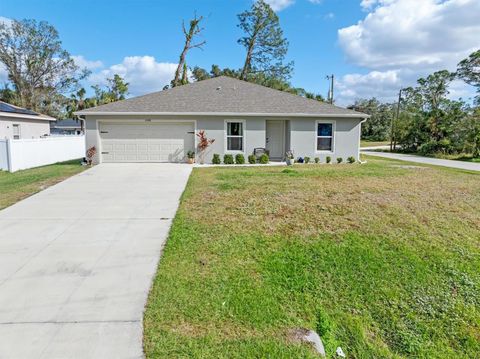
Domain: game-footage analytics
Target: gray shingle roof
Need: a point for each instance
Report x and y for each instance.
(222, 95)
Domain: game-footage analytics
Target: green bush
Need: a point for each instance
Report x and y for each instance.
(328, 159)
(228, 159)
(351, 159)
(339, 159)
(317, 160)
(252, 159)
(216, 159)
(263, 159)
(239, 159)
(306, 159)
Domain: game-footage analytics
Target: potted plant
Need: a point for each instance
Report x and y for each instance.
(191, 157)
(91, 152)
(203, 144)
(289, 158)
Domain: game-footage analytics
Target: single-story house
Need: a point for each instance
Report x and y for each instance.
(19, 123)
(67, 127)
(238, 115)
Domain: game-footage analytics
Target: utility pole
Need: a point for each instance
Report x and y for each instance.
(330, 91)
(393, 144)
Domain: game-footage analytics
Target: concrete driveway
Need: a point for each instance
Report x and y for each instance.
(77, 261)
(471, 166)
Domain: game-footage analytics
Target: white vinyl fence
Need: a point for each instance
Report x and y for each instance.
(22, 154)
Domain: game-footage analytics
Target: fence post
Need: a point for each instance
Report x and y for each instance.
(9, 155)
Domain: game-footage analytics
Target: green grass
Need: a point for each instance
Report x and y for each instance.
(365, 143)
(381, 259)
(18, 185)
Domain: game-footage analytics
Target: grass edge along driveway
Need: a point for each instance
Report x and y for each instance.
(21, 184)
(381, 259)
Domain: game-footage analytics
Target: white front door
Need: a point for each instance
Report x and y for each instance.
(146, 142)
(275, 137)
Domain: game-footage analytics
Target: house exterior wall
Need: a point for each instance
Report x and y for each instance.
(28, 128)
(346, 139)
(300, 134)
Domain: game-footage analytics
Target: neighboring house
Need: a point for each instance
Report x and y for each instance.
(19, 123)
(240, 116)
(66, 127)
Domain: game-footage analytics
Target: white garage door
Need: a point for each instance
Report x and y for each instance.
(146, 142)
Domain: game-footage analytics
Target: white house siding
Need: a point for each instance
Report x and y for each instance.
(346, 138)
(28, 128)
(302, 138)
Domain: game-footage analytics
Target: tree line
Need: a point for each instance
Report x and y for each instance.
(425, 120)
(45, 78)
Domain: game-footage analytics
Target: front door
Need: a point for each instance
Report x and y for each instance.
(275, 137)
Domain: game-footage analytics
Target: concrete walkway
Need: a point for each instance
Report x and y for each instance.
(426, 160)
(77, 261)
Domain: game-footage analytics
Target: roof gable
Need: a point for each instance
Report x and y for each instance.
(222, 95)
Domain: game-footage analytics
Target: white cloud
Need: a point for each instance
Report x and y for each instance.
(143, 73)
(315, 1)
(378, 84)
(82, 62)
(410, 38)
(329, 16)
(279, 5)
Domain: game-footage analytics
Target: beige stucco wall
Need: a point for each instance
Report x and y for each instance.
(301, 140)
(28, 128)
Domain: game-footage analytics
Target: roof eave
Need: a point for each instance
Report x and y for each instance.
(23, 116)
(246, 114)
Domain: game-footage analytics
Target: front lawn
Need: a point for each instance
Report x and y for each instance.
(381, 259)
(18, 185)
(365, 143)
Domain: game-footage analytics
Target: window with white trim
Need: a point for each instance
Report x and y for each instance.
(324, 136)
(234, 136)
(16, 132)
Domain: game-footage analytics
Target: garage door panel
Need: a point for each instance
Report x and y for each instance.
(159, 142)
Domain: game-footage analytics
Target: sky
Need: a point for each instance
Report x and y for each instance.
(373, 47)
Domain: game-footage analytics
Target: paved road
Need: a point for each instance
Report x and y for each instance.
(77, 261)
(427, 160)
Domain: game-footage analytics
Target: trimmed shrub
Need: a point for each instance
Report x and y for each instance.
(351, 159)
(216, 159)
(307, 159)
(252, 159)
(239, 159)
(328, 159)
(317, 160)
(228, 159)
(263, 159)
(339, 159)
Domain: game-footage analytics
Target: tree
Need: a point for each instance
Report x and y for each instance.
(40, 70)
(264, 42)
(377, 128)
(469, 71)
(194, 30)
(115, 90)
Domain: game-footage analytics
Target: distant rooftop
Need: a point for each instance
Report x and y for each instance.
(7, 109)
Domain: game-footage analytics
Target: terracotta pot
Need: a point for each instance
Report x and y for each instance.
(191, 160)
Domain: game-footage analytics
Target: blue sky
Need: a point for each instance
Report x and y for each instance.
(368, 44)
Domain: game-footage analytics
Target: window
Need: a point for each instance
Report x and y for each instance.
(235, 136)
(16, 132)
(325, 136)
